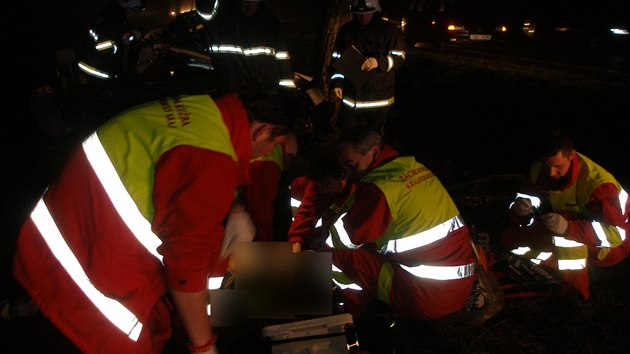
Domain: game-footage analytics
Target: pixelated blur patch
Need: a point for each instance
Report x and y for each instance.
(272, 282)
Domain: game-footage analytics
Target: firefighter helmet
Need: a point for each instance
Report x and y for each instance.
(207, 9)
(132, 4)
(365, 6)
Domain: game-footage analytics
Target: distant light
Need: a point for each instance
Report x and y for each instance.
(621, 31)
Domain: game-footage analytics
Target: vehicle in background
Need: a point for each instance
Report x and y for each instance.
(601, 28)
(458, 23)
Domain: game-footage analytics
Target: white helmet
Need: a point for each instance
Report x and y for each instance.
(365, 6)
(133, 4)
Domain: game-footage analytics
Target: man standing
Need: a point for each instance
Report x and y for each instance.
(366, 87)
(248, 50)
(571, 213)
(402, 240)
(135, 221)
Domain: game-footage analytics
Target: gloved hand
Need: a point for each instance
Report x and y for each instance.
(523, 207)
(369, 64)
(555, 222)
(239, 228)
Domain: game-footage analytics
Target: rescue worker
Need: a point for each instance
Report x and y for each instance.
(399, 238)
(366, 88)
(248, 50)
(266, 197)
(135, 221)
(570, 214)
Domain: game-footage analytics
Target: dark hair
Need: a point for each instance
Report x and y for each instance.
(552, 141)
(361, 137)
(274, 108)
(324, 164)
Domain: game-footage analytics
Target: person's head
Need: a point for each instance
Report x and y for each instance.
(363, 10)
(249, 7)
(555, 149)
(207, 9)
(137, 5)
(271, 119)
(325, 170)
(357, 149)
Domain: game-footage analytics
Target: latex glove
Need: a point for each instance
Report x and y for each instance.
(369, 64)
(239, 228)
(338, 92)
(555, 222)
(523, 207)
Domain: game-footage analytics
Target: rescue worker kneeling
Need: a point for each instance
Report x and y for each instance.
(398, 238)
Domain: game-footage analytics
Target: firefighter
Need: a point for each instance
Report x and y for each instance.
(134, 223)
(366, 87)
(570, 214)
(399, 239)
(249, 50)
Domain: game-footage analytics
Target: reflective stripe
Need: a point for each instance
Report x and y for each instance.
(282, 55)
(368, 104)
(442, 272)
(295, 203)
(390, 63)
(531, 255)
(571, 254)
(113, 310)
(107, 45)
(560, 241)
(287, 83)
(214, 283)
(93, 71)
(337, 76)
(424, 238)
(535, 200)
(343, 235)
(212, 14)
(571, 264)
(342, 280)
(253, 51)
(117, 193)
(398, 53)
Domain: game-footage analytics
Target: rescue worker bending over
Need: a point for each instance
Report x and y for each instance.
(399, 238)
(570, 214)
(135, 221)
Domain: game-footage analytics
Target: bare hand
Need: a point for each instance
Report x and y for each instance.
(369, 64)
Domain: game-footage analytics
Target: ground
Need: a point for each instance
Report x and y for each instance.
(470, 123)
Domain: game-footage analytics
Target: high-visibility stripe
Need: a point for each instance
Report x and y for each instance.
(282, 55)
(214, 283)
(107, 45)
(342, 280)
(117, 193)
(571, 264)
(337, 76)
(398, 53)
(287, 83)
(343, 235)
(368, 104)
(442, 272)
(390, 63)
(93, 71)
(535, 200)
(253, 51)
(113, 310)
(424, 238)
